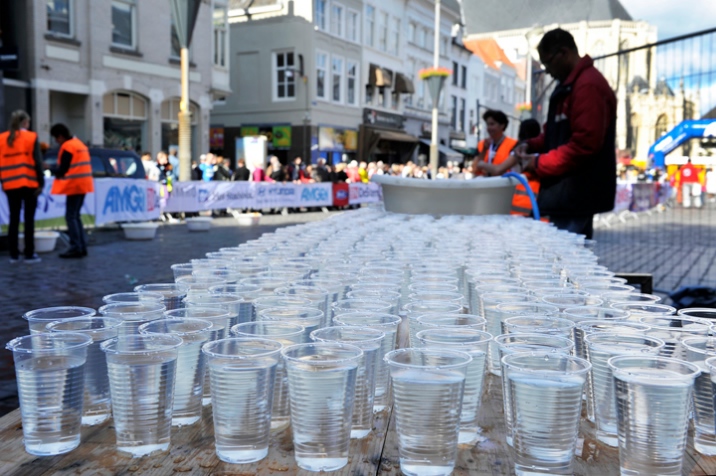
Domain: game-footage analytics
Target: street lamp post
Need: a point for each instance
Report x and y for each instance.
(436, 97)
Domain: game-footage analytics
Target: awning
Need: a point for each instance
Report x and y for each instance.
(395, 136)
(445, 150)
(380, 77)
(403, 84)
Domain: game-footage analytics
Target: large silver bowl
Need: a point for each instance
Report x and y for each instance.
(481, 196)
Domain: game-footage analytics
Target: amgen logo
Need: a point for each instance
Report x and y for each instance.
(129, 199)
(314, 195)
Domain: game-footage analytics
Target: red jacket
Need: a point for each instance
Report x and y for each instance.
(689, 174)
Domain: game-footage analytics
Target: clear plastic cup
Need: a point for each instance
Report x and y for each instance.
(636, 310)
(50, 381)
(427, 287)
(242, 372)
(438, 320)
(591, 313)
(638, 298)
(352, 305)
(281, 301)
(428, 386)
(309, 318)
(182, 269)
(173, 293)
(190, 366)
(514, 343)
(475, 343)
(97, 401)
(566, 300)
(248, 292)
(698, 350)
(318, 297)
(287, 334)
(699, 312)
(236, 305)
(133, 314)
(39, 318)
(142, 373)
(538, 324)
(415, 309)
(653, 401)
(388, 324)
(546, 401)
(600, 348)
(132, 297)
(229, 276)
(673, 329)
(370, 342)
(221, 324)
(321, 381)
(199, 285)
(386, 295)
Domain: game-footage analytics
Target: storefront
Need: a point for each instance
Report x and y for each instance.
(381, 137)
(278, 138)
(337, 144)
(125, 121)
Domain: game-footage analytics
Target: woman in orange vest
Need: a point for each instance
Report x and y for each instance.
(74, 179)
(22, 180)
(497, 147)
(521, 204)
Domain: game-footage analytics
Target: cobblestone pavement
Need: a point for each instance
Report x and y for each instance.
(678, 246)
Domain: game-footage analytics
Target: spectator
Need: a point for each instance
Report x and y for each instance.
(195, 171)
(307, 176)
(258, 175)
(222, 173)
(320, 174)
(380, 167)
(352, 171)
(341, 175)
(690, 185)
(174, 161)
(241, 174)
(74, 179)
(167, 173)
(363, 172)
(207, 167)
(151, 170)
(22, 180)
(296, 169)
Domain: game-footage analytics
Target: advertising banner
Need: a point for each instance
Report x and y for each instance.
(125, 200)
(341, 194)
(315, 195)
(622, 200)
(644, 197)
(365, 193)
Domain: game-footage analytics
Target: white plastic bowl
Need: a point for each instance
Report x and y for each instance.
(45, 241)
(198, 223)
(145, 230)
(248, 219)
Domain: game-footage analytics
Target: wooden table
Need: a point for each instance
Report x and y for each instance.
(192, 451)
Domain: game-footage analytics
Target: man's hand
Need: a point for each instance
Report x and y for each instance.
(520, 148)
(527, 161)
(489, 169)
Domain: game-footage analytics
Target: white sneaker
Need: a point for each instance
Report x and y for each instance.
(34, 259)
(14, 260)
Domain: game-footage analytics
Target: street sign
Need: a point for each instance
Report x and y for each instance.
(184, 13)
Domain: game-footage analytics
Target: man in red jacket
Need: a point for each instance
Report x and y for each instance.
(575, 156)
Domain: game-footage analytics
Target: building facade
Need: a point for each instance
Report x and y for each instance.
(109, 70)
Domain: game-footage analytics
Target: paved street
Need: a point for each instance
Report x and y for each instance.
(678, 246)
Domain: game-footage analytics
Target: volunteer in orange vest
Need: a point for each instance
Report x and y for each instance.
(74, 179)
(22, 181)
(497, 147)
(521, 204)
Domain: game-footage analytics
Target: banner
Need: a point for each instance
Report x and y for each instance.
(341, 194)
(622, 200)
(119, 199)
(365, 193)
(315, 195)
(50, 208)
(644, 196)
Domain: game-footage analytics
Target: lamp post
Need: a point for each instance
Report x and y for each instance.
(184, 13)
(435, 95)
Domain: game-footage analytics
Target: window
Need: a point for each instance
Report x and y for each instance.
(429, 41)
(352, 26)
(284, 76)
(351, 83)
(383, 31)
(411, 74)
(453, 113)
(463, 77)
(394, 36)
(59, 17)
(369, 93)
(444, 45)
(369, 25)
(321, 74)
(411, 32)
(337, 20)
(220, 35)
(455, 73)
(461, 117)
(320, 15)
(421, 40)
(337, 79)
(124, 23)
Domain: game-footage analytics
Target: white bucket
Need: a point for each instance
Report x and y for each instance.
(248, 219)
(145, 230)
(198, 223)
(45, 241)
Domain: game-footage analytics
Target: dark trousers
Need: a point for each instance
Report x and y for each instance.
(582, 224)
(78, 241)
(16, 198)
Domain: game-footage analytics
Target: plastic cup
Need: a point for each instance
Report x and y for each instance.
(591, 313)
(229, 276)
(321, 381)
(539, 325)
(546, 401)
(309, 318)
(182, 269)
(190, 366)
(236, 305)
(416, 309)
(567, 300)
(438, 320)
(133, 314)
(428, 387)
(699, 312)
(653, 401)
(242, 372)
(352, 305)
(132, 297)
(173, 293)
(637, 310)
(514, 343)
(673, 329)
(600, 348)
(388, 324)
(317, 296)
(698, 350)
(638, 298)
(221, 323)
(39, 318)
(142, 373)
(392, 297)
(287, 334)
(199, 285)
(97, 401)
(50, 381)
(281, 301)
(369, 341)
(475, 343)
(248, 292)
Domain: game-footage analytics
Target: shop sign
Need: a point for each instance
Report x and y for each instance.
(216, 137)
(277, 137)
(337, 139)
(383, 119)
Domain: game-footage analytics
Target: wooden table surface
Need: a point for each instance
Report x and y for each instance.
(192, 451)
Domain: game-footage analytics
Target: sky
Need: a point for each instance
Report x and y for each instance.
(674, 17)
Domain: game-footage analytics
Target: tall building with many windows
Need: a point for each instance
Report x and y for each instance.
(109, 69)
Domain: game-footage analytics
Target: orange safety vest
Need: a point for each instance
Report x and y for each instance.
(502, 152)
(521, 204)
(78, 179)
(17, 162)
